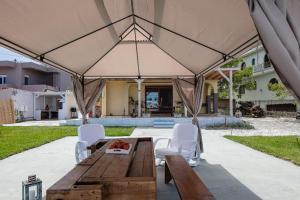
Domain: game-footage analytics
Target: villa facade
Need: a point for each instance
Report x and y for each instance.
(158, 96)
(264, 74)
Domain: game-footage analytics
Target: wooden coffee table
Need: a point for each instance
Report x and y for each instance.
(110, 176)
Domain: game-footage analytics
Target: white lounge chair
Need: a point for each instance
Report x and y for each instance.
(87, 135)
(183, 142)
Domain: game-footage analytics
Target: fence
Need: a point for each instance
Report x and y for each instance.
(7, 111)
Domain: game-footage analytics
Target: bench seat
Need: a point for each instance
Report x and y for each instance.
(188, 184)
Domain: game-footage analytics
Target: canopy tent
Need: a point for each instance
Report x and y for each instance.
(150, 38)
(82, 37)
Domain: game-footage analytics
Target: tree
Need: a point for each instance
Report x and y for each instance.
(279, 89)
(242, 79)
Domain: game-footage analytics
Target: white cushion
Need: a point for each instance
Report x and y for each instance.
(162, 152)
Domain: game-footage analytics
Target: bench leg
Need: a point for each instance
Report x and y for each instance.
(168, 176)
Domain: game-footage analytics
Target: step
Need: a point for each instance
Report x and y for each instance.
(163, 123)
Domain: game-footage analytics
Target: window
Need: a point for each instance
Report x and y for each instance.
(267, 62)
(26, 80)
(243, 65)
(241, 90)
(271, 82)
(253, 61)
(3, 79)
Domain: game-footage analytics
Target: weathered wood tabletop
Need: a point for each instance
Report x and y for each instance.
(110, 176)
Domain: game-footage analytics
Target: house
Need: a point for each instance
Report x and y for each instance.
(158, 96)
(32, 77)
(263, 75)
(38, 91)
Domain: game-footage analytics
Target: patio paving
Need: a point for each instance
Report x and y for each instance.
(230, 170)
(234, 171)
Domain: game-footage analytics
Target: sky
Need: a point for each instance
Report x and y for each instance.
(6, 54)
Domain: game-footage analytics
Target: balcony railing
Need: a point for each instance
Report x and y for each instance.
(6, 86)
(39, 88)
(261, 67)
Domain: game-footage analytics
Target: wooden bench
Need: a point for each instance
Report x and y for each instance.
(188, 184)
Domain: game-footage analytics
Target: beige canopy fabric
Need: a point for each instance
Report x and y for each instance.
(278, 23)
(192, 99)
(86, 93)
(128, 38)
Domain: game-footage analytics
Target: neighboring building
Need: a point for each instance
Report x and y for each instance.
(263, 74)
(38, 91)
(33, 77)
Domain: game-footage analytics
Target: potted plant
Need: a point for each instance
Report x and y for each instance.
(146, 113)
(178, 111)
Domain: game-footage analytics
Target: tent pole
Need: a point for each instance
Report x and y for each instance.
(162, 49)
(139, 82)
(230, 82)
(230, 94)
(85, 35)
(54, 64)
(137, 52)
(185, 37)
(84, 120)
(107, 51)
(216, 63)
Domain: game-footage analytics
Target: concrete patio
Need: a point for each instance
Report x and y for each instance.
(230, 170)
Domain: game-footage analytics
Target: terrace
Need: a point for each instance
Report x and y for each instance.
(100, 41)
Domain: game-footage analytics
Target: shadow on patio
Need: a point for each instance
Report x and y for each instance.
(219, 181)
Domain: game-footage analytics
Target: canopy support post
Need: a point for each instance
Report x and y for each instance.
(229, 80)
(230, 94)
(139, 82)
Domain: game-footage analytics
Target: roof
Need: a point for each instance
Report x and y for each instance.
(128, 38)
(28, 65)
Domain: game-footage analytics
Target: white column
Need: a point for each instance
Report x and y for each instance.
(34, 106)
(230, 94)
(139, 82)
(185, 112)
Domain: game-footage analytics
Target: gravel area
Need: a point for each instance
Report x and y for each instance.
(264, 126)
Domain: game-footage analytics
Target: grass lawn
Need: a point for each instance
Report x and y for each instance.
(15, 139)
(285, 147)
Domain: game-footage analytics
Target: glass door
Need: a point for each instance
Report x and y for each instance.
(152, 99)
(159, 99)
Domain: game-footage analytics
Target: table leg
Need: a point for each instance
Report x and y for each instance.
(168, 176)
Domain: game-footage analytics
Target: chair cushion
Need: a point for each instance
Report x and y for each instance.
(161, 152)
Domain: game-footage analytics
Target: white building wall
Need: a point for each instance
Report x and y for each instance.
(262, 95)
(69, 102)
(23, 101)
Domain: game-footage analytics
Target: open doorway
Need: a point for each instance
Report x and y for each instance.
(159, 99)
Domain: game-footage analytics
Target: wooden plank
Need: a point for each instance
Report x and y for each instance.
(96, 155)
(188, 184)
(96, 171)
(86, 192)
(67, 182)
(97, 145)
(109, 165)
(137, 165)
(130, 190)
(120, 163)
(148, 160)
(142, 164)
(7, 111)
(78, 192)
